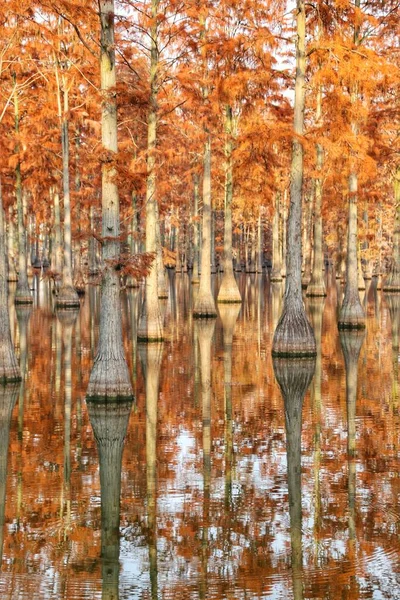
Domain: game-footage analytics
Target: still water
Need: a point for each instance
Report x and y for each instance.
(216, 482)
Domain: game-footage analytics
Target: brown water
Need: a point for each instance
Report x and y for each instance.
(211, 504)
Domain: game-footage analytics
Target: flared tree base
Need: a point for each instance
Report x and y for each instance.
(294, 376)
(67, 297)
(294, 337)
(150, 329)
(204, 307)
(391, 288)
(392, 282)
(276, 274)
(109, 381)
(9, 369)
(23, 296)
(352, 315)
(316, 289)
(229, 291)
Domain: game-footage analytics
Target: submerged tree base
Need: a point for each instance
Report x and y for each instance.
(294, 337)
(229, 291)
(392, 282)
(67, 297)
(204, 306)
(9, 377)
(110, 380)
(352, 315)
(276, 275)
(316, 290)
(23, 297)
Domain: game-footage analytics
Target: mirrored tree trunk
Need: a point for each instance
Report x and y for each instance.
(205, 332)
(109, 421)
(109, 377)
(67, 319)
(229, 315)
(351, 342)
(294, 377)
(8, 397)
(151, 357)
(9, 369)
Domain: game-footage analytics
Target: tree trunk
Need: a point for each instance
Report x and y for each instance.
(392, 283)
(228, 291)
(204, 305)
(308, 226)
(12, 272)
(67, 296)
(110, 375)
(131, 282)
(294, 335)
(259, 243)
(284, 227)
(352, 314)
(79, 278)
(316, 286)
(23, 293)
(196, 231)
(276, 272)
(9, 369)
(93, 243)
(151, 326)
(162, 279)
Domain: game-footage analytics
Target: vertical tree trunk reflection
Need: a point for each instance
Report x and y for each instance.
(294, 377)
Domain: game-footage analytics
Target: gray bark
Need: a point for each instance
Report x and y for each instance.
(8, 396)
(351, 342)
(23, 293)
(151, 323)
(228, 291)
(110, 422)
(9, 369)
(204, 306)
(294, 335)
(196, 231)
(276, 272)
(110, 375)
(12, 272)
(352, 315)
(392, 282)
(229, 315)
(316, 286)
(294, 377)
(67, 296)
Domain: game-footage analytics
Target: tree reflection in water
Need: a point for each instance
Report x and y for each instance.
(110, 421)
(294, 377)
(150, 357)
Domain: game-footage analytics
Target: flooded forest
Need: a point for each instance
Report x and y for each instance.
(199, 300)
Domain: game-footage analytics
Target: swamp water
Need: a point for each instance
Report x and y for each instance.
(216, 482)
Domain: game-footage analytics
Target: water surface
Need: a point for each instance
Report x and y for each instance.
(216, 500)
